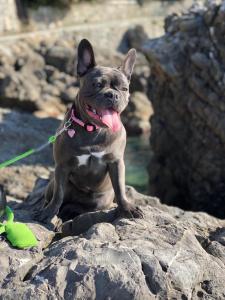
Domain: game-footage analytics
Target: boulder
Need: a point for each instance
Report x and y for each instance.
(136, 115)
(61, 58)
(186, 88)
(20, 132)
(27, 83)
(169, 254)
(140, 75)
(133, 38)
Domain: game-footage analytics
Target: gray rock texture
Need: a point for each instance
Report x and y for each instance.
(186, 88)
(170, 254)
(20, 132)
(137, 114)
(27, 83)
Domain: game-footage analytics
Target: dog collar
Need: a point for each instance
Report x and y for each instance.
(87, 126)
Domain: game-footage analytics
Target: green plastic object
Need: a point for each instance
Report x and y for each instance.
(18, 234)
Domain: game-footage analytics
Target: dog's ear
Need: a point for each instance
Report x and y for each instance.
(128, 63)
(86, 58)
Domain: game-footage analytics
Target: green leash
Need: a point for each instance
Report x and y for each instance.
(27, 153)
(51, 140)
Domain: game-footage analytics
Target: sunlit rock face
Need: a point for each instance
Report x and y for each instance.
(169, 254)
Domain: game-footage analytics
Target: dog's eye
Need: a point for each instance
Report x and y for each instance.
(124, 89)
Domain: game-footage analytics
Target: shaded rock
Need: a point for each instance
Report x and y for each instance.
(19, 133)
(140, 75)
(186, 88)
(19, 180)
(137, 114)
(18, 90)
(27, 83)
(133, 38)
(61, 58)
(21, 84)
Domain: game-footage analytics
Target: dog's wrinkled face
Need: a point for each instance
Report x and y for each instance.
(103, 90)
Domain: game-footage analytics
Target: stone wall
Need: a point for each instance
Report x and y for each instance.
(187, 90)
(8, 16)
(104, 23)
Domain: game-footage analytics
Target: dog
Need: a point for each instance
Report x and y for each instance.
(2, 200)
(89, 153)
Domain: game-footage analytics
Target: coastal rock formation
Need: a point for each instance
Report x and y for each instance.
(170, 254)
(186, 88)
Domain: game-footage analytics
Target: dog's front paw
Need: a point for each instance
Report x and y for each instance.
(129, 210)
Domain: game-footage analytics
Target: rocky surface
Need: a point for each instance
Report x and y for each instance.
(20, 132)
(31, 77)
(170, 254)
(186, 88)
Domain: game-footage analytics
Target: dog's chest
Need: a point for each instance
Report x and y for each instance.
(85, 159)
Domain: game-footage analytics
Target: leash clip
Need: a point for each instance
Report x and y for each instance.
(67, 124)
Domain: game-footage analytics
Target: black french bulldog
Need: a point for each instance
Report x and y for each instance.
(89, 154)
(2, 200)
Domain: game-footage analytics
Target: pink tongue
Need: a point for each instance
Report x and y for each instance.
(111, 119)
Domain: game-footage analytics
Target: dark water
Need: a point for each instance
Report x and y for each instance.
(137, 157)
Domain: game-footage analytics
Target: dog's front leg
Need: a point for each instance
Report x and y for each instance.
(48, 212)
(117, 175)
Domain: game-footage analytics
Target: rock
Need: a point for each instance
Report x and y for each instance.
(19, 133)
(133, 38)
(186, 88)
(137, 114)
(18, 90)
(61, 58)
(170, 254)
(140, 76)
(19, 180)
(27, 83)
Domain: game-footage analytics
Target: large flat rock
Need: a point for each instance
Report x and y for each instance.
(170, 254)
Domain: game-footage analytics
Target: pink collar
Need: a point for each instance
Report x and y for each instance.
(87, 126)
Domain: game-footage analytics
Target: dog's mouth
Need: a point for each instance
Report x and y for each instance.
(108, 117)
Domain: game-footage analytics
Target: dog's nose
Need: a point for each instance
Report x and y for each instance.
(108, 95)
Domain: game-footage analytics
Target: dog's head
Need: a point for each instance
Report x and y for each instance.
(103, 90)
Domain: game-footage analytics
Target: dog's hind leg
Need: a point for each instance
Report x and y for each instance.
(49, 192)
(60, 179)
